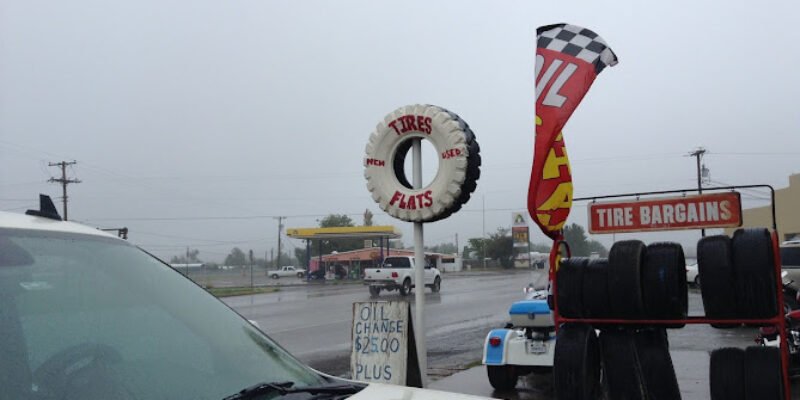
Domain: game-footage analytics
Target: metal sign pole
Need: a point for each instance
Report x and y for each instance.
(419, 270)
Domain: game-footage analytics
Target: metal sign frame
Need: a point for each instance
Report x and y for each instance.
(779, 320)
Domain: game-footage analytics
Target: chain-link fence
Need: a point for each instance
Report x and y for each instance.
(257, 276)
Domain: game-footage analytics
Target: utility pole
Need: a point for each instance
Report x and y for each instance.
(63, 181)
(280, 229)
(483, 236)
(698, 154)
(251, 268)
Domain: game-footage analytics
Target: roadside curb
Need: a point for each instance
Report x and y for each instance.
(490, 272)
(348, 282)
(691, 367)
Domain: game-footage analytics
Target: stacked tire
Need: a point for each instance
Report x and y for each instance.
(739, 282)
(738, 276)
(753, 373)
(635, 282)
(620, 363)
(648, 282)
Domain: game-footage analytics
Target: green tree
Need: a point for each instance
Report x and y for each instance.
(368, 217)
(541, 247)
(338, 245)
(597, 247)
(500, 247)
(300, 256)
(286, 259)
(579, 243)
(236, 257)
(443, 248)
(335, 220)
(190, 257)
(474, 248)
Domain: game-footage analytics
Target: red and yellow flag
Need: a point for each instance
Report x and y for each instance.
(568, 59)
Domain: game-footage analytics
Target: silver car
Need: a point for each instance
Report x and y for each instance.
(790, 264)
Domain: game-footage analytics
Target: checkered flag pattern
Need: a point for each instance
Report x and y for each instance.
(578, 42)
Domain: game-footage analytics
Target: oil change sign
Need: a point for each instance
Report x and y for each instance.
(718, 210)
(382, 335)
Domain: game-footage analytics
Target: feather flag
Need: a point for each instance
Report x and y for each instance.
(568, 59)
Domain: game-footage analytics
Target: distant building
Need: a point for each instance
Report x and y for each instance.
(370, 257)
(787, 212)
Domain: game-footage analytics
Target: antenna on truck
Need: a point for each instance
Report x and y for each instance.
(46, 209)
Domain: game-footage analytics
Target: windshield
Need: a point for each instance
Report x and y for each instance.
(397, 262)
(85, 317)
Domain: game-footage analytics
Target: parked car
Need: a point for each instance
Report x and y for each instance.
(790, 260)
(790, 267)
(286, 271)
(692, 277)
(86, 315)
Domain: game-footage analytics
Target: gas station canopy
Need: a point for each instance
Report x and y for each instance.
(345, 232)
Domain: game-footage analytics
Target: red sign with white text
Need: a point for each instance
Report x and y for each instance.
(717, 210)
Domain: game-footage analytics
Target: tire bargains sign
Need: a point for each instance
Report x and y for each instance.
(718, 210)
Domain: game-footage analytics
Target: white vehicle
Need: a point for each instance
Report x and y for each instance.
(527, 344)
(127, 326)
(286, 271)
(692, 277)
(397, 273)
(538, 260)
(790, 259)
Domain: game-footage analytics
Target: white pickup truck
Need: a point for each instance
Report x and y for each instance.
(397, 272)
(286, 271)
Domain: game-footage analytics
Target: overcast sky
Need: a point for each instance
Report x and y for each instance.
(194, 122)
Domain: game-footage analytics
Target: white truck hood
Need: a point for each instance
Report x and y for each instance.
(380, 391)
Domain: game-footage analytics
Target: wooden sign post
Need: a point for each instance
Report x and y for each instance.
(383, 344)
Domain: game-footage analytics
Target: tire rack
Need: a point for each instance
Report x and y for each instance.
(779, 320)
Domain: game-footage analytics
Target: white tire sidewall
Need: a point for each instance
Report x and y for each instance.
(447, 136)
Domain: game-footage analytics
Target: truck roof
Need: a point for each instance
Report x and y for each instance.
(22, 221)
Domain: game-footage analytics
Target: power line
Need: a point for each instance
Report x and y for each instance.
(210, 241)
(15, 208)
(787, 154)
(216, 218)
(753, 193)
(63, 181)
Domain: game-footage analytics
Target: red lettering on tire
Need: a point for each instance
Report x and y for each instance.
(390, 144)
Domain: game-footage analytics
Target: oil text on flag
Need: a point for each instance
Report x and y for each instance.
(568, 59)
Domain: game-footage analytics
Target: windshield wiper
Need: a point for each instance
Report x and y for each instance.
(284, 388)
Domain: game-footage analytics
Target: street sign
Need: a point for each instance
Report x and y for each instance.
(717, 210)
(520, 236)
(383, 348)
(518, 219)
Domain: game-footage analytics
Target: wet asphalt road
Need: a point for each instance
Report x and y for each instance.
(313, 322)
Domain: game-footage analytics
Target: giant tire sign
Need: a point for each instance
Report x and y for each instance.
(459, 163)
